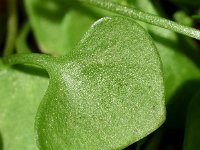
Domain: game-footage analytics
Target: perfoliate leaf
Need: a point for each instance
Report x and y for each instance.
(20, 95)
(108, 94)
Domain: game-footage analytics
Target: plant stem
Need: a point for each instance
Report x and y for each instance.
(21, 43)
(11, 27)
(42, 60)
(145, 17)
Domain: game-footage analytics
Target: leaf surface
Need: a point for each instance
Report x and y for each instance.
(108, 94)
(20, 94)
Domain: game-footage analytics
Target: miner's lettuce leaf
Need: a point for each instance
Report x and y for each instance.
(107, 94)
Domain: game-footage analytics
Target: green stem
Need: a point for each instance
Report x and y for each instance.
(21, 43)
(145, 17)
(11, 27)
(42, 60)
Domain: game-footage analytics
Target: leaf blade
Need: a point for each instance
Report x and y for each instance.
(94, 105)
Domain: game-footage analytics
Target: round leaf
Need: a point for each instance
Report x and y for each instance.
(108, 94)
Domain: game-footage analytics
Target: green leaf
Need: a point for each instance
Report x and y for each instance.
(21, 92)
(192, 133)
(183, 18)
(108, 94)
(57, 25)
(46, 18)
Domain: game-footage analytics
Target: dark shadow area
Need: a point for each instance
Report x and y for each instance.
(172, 139)
(190, 7)
(166, 6)
(178, 104)
(164, 139)
(32, 70)
(190, 48)
(32, 44)
(2, 45)
(3, 21)
(1, 142)
(22, 15)
(197, 26)
(169, 139)
(131, 147)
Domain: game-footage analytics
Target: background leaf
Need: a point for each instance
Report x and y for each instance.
(182, 18)
(192, 133)
(58, 25)
(108, 94)
(20, 93)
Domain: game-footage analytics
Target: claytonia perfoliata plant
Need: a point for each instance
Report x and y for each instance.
(98, 75)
